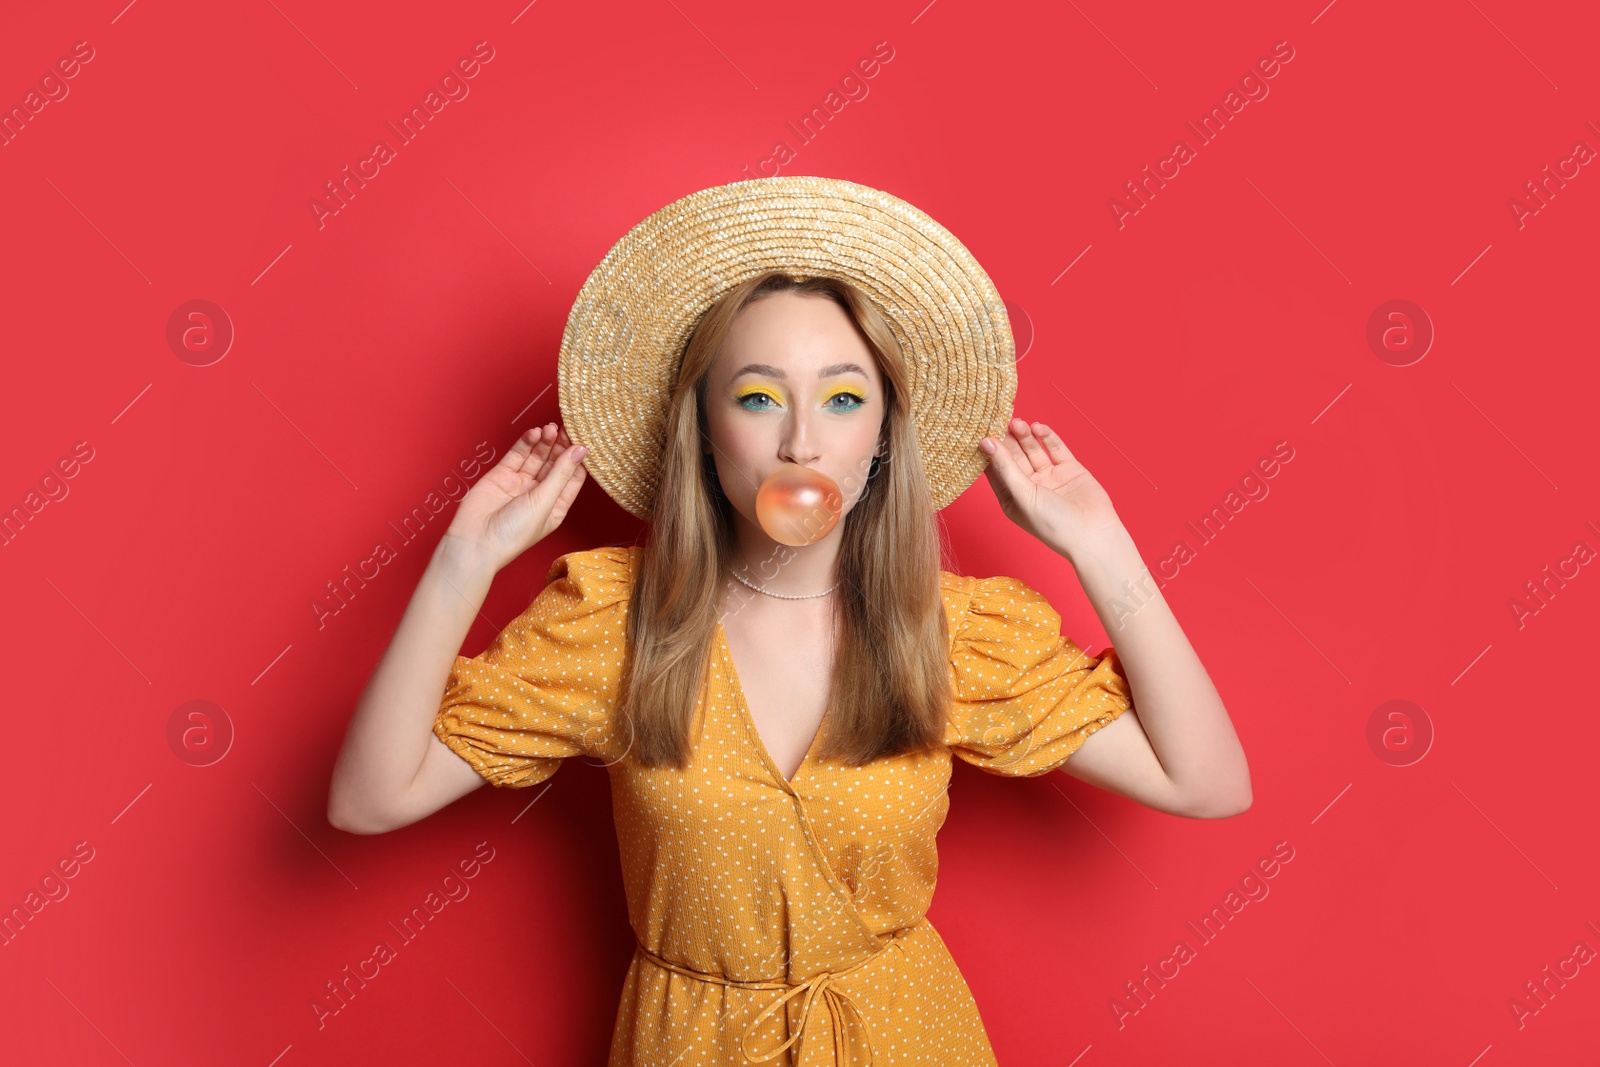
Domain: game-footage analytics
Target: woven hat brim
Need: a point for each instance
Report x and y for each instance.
(633, 317)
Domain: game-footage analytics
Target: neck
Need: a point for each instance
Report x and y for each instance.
(780, 568)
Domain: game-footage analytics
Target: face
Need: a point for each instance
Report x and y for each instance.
(794, 383)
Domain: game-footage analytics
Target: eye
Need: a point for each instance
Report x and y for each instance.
(853, 400)
(750, 401)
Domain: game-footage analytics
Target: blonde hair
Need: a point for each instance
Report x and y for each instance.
(890, 691)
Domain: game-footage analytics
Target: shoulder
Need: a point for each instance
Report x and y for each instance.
(997, 606)
(593, 578)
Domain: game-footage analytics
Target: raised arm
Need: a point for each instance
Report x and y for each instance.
(1175, 750)
(393, 770)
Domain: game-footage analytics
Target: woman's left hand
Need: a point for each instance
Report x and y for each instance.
(1044, 490)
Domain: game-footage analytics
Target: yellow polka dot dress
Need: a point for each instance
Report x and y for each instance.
(778, 922)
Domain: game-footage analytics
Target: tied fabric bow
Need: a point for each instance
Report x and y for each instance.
(834, 998)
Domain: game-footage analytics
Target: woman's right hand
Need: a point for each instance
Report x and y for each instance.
(520, 500)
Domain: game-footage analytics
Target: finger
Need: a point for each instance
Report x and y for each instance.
(1013, 448)
(557, 452)
(1000, 474)
(1036, 456)
(562, 440)
(559, 470)
(539, 461)
(1054, 446)
(526, 454)
(520, 449)
(569, 492)
(1004, 463)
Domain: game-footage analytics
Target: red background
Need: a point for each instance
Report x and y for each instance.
(374, 353)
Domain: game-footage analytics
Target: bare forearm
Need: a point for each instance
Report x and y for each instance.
(392, 726)
(1177, 704)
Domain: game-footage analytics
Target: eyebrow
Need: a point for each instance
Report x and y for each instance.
(774, 372)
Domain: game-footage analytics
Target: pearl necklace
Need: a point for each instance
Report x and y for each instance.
(787, 596)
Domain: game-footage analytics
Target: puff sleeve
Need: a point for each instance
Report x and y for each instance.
(1026, 696)
(545, 687)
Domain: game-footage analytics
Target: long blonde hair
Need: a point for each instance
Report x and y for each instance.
(890, 689)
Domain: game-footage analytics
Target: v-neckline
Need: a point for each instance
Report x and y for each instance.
(750, 719)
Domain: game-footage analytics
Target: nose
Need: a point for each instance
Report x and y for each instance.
(798, 441)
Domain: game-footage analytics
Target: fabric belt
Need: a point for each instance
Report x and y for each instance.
(834, 998)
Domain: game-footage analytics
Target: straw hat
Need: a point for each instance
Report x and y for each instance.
(632, 319)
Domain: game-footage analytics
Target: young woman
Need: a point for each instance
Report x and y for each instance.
(778, 722)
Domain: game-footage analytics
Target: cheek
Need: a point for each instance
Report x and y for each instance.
(730, 450)
(723, 431)
(854, 464)
(871, 428)
(736, 438)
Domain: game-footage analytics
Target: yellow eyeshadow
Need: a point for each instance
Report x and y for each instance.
(777, 398)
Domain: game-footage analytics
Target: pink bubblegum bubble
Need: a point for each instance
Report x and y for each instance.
(797, 505)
